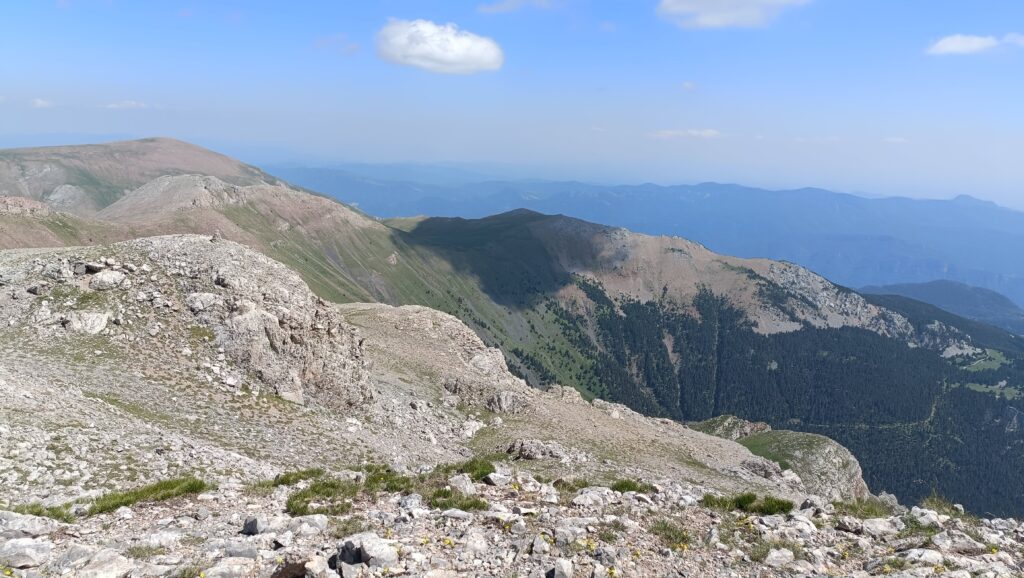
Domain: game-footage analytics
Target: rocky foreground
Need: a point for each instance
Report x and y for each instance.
(185, 407)
(507, 524)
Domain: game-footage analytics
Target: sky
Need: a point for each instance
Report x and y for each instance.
(921, 98)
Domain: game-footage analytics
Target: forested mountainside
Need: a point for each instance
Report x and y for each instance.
(924, 399)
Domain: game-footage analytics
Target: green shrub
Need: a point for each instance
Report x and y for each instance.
(744, 501)
(60, 513)
(143, 551)
(325, 496)
(382, 478)
(343, 527)
(294, 477)
(446, 499)
(477, 468)
(748, 502)
(571, 485)
(864, 509)
(160, 491)
(632, 486)
(672, 534)
(771, 505)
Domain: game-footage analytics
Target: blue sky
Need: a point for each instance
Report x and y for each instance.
(875, 96)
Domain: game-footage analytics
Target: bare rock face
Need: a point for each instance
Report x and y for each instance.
(267, 320)
(825, 468)
(268, 328)
(22, 206)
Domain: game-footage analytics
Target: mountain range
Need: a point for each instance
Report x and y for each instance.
(971, 302)
(852, 240)
(923, 398)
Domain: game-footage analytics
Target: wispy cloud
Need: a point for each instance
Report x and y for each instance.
(896, 140)
(511, 6)
(442, 48)
(669, 134)
(338, 43)
(40, 103)
(963, 44)
(724, 13)
(970, 44)
(126, 105)
(690, 85)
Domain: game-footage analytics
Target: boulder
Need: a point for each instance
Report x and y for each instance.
(231, 568)
(107, 279)
(368, 548)
(463, 484)
(107, 563)
(779, 557)
(563, 569)
(25, 552)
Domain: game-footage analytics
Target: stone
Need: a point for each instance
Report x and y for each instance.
(14, 525)
(199, 302)
(463, 484)
(231, 568)
(958, 543)
(25, 552)
(498, 479)
(506, 402)
(880, 527)
(106, 280)
(368, 548)
(254, 525)
(779, 557)
(594, 497)
(563, 569)
(106, 563)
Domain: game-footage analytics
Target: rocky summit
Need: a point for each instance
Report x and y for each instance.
(183, 406)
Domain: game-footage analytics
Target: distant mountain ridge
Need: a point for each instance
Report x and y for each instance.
(966, 301)
(852, 240)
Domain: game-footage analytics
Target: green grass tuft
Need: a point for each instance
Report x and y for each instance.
(748, 502)
(632, 486)
(326, 496)
(672, 534)
(863, 509)
(60, 513)
(144, 551)
(446, 499)
(160, 491)
(292, 478)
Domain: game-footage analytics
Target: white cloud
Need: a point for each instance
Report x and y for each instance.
(724, 13)
(339, 43)
(40, 103)
(669, 134)
(690, 85)
(438, 47)
(126, 105)
(1015, 39)
(511, 5)
(963, 44)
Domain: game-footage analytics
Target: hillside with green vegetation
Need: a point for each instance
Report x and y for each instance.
(664, 326)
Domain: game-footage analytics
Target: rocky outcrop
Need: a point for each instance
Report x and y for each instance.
(272, 333)
(824, 467)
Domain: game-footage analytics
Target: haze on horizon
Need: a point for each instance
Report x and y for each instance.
(918, 98)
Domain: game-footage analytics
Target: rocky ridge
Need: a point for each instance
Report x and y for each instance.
(164, 358)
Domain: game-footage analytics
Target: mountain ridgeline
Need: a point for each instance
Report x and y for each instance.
(852, 240)
(926, 401)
